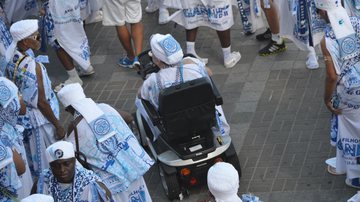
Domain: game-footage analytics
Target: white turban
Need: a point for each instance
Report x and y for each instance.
(38, 198)
(8, 91)
(341, 24)
(23, 28)
(70, 94)
(166, 48)
(223, 182)
(60, 150)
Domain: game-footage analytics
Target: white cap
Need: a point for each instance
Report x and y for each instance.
(70, 94)
(60, 150)
(38, 198)
(166, 48)
(223, 182)
(23, 28)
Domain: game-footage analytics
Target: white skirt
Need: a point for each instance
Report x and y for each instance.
(215, 14)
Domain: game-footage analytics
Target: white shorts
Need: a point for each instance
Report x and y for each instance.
(118, 12)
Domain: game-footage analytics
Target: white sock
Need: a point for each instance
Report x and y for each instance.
(311, 50)
(227, 53)
(276, 38)
(73, 74)
(190, 47)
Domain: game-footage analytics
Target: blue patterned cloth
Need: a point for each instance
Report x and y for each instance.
(9, 180)
(353, 6)
(306, 13)
(83, 189)
(120, 159)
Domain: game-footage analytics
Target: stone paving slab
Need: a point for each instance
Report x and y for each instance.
(273, 104)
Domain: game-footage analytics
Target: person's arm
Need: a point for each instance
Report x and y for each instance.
(19, 163)
(34, 187)
(44, 106)
(22, 106)
(331, 78)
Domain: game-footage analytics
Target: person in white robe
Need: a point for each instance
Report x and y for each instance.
(111, 149)
(67, 181)
(300, 23)
(217, 15)
(341, 50)
(169, 58)
(41, 121)
(11, 133)
(63, 24)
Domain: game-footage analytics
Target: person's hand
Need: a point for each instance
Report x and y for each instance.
(60, 133)
(330, 107)
(42, 12)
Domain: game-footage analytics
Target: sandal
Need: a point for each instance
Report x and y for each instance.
(331, 168)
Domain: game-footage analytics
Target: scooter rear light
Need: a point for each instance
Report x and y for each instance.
(185, 172)
(193, 181)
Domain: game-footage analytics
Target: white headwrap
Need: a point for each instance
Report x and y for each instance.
(8, 91)
(19, 31)
(166, 48)
(23, 28)
(60, 150)
(73, 94)
(343, 30)
(38, 198)
(223, 182)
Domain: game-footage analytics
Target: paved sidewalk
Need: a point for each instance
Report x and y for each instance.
(279, 124)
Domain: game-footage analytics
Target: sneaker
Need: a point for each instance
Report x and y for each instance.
(233, 59)
(354, 183)
(136, 64)
(312, 61)
(83, 73)
(163, 16)
(272, 48)
(151, 8)
(69, 81)
(264, 36)
(126, 62)
(204, 60)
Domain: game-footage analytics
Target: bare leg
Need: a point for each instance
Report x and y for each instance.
(125, 39)
(65, 59)
(272, 17)
(191, 34)
(137, 34)
(224, 37)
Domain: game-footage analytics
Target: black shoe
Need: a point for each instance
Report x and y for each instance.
(272, 48)
(264, 36)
